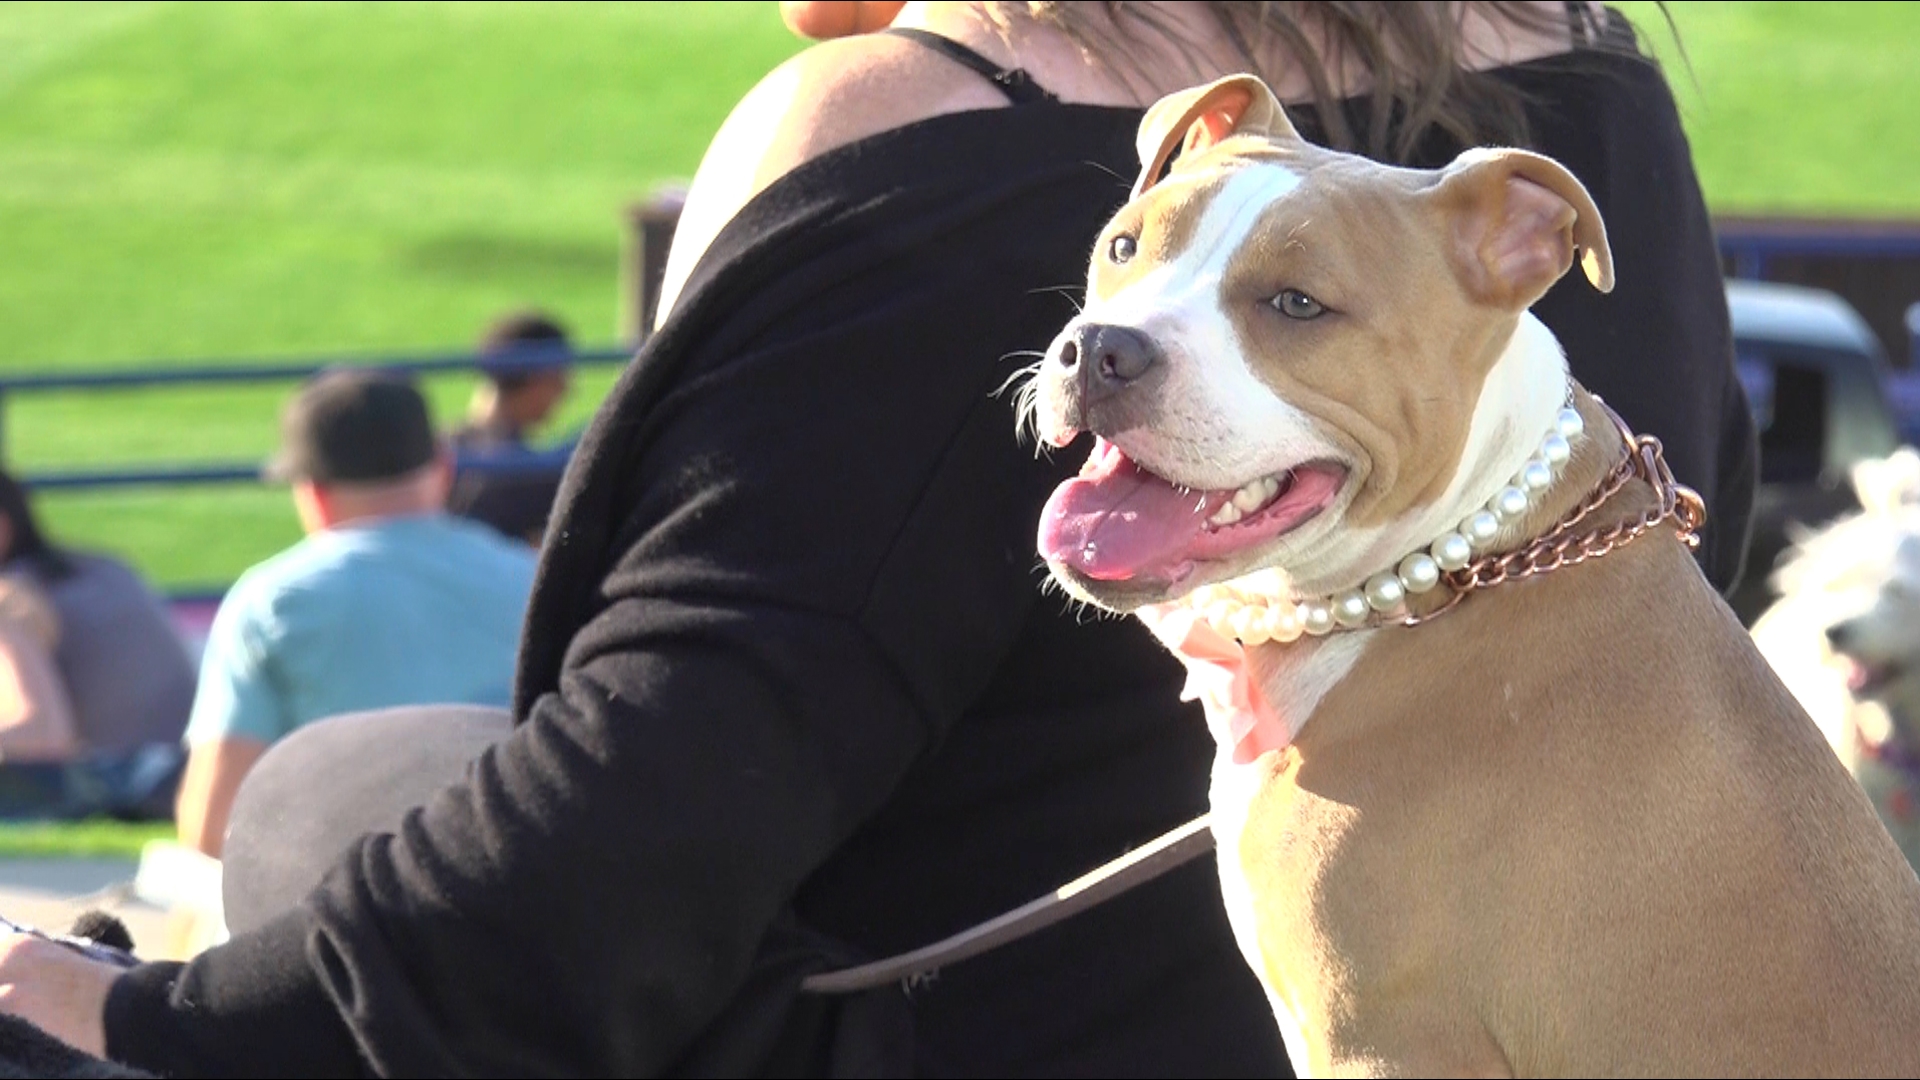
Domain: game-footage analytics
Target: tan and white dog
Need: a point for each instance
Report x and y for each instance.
(1571, 824)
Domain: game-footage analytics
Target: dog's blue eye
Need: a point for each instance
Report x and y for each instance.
(1295, 304)
(1121, 248)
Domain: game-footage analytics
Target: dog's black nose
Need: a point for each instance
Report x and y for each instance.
(1106, 358)
(1839, 633)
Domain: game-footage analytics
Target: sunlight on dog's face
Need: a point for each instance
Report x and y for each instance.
(1288, 355)
(1302, 376)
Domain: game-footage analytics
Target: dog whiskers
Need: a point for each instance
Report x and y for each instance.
(1025, 385)
(1071, 292)
(1083, 612)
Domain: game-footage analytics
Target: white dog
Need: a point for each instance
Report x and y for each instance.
(1845, 637)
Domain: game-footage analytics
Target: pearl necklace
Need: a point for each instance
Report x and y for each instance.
(1255, 610)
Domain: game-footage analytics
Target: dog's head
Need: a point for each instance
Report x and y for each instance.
(1844, 634)
(1286, 352)
(1882, 643)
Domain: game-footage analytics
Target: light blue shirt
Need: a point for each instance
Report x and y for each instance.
(402, 611)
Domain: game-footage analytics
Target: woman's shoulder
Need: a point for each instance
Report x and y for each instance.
(839, 92)
(830, 95)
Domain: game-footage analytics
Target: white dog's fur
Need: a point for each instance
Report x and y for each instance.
(1862, 571)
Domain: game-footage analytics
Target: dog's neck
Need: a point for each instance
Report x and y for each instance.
(1281, 679)
(1285, 682)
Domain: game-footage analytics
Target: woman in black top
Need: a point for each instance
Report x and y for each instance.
(789, 662)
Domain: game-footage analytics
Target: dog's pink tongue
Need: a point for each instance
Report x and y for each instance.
(1116, 521)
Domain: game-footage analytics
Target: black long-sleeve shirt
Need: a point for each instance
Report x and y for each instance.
(790, 644)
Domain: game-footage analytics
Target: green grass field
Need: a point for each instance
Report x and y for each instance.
(242, 181)
(239, 181)
(189, 181)
(97, 839)
(1806, 108)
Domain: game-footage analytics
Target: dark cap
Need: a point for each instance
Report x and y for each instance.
(353, 426)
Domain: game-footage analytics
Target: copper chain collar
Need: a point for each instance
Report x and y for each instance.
(1644, 460)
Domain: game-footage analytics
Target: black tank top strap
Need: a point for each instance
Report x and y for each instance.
(1579, 20)
(1614, 31)
(1013, 82)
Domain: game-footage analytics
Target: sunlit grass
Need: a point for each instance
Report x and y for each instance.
(98, 838)
(184, 182)
(192, 181)
(1808, 108)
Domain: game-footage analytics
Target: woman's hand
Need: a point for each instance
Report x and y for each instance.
(57, 990)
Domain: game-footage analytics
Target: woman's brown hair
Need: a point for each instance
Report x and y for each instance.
(1412, 52)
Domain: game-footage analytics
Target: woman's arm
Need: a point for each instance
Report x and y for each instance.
(795, 548)
(36, 716)
(212, 778)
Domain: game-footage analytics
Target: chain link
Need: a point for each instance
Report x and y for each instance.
(1645, 460)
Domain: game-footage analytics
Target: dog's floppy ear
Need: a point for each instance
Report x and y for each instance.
(1195, 119)
(1520, 219)
(1885, 485)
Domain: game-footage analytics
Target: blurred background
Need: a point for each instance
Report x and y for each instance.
(185, 185)
(195, 184)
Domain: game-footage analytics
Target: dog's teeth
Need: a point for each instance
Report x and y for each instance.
(1256, 494)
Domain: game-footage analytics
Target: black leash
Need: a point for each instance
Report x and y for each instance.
(1136, 867)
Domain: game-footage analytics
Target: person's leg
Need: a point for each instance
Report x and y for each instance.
(322, 787)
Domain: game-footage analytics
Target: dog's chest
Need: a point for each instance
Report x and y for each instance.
(1294, 681)
(1282, 851)
(1233, 792)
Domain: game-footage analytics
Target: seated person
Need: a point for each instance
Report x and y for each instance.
(98, 682)
(527, 374)
(387, 601)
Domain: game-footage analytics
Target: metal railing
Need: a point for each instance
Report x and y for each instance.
(1751, 244)
(208, 374)
(1873, 264)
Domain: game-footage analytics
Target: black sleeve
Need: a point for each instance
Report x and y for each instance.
(722, 724)
(1659, 347)
(818, 550)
